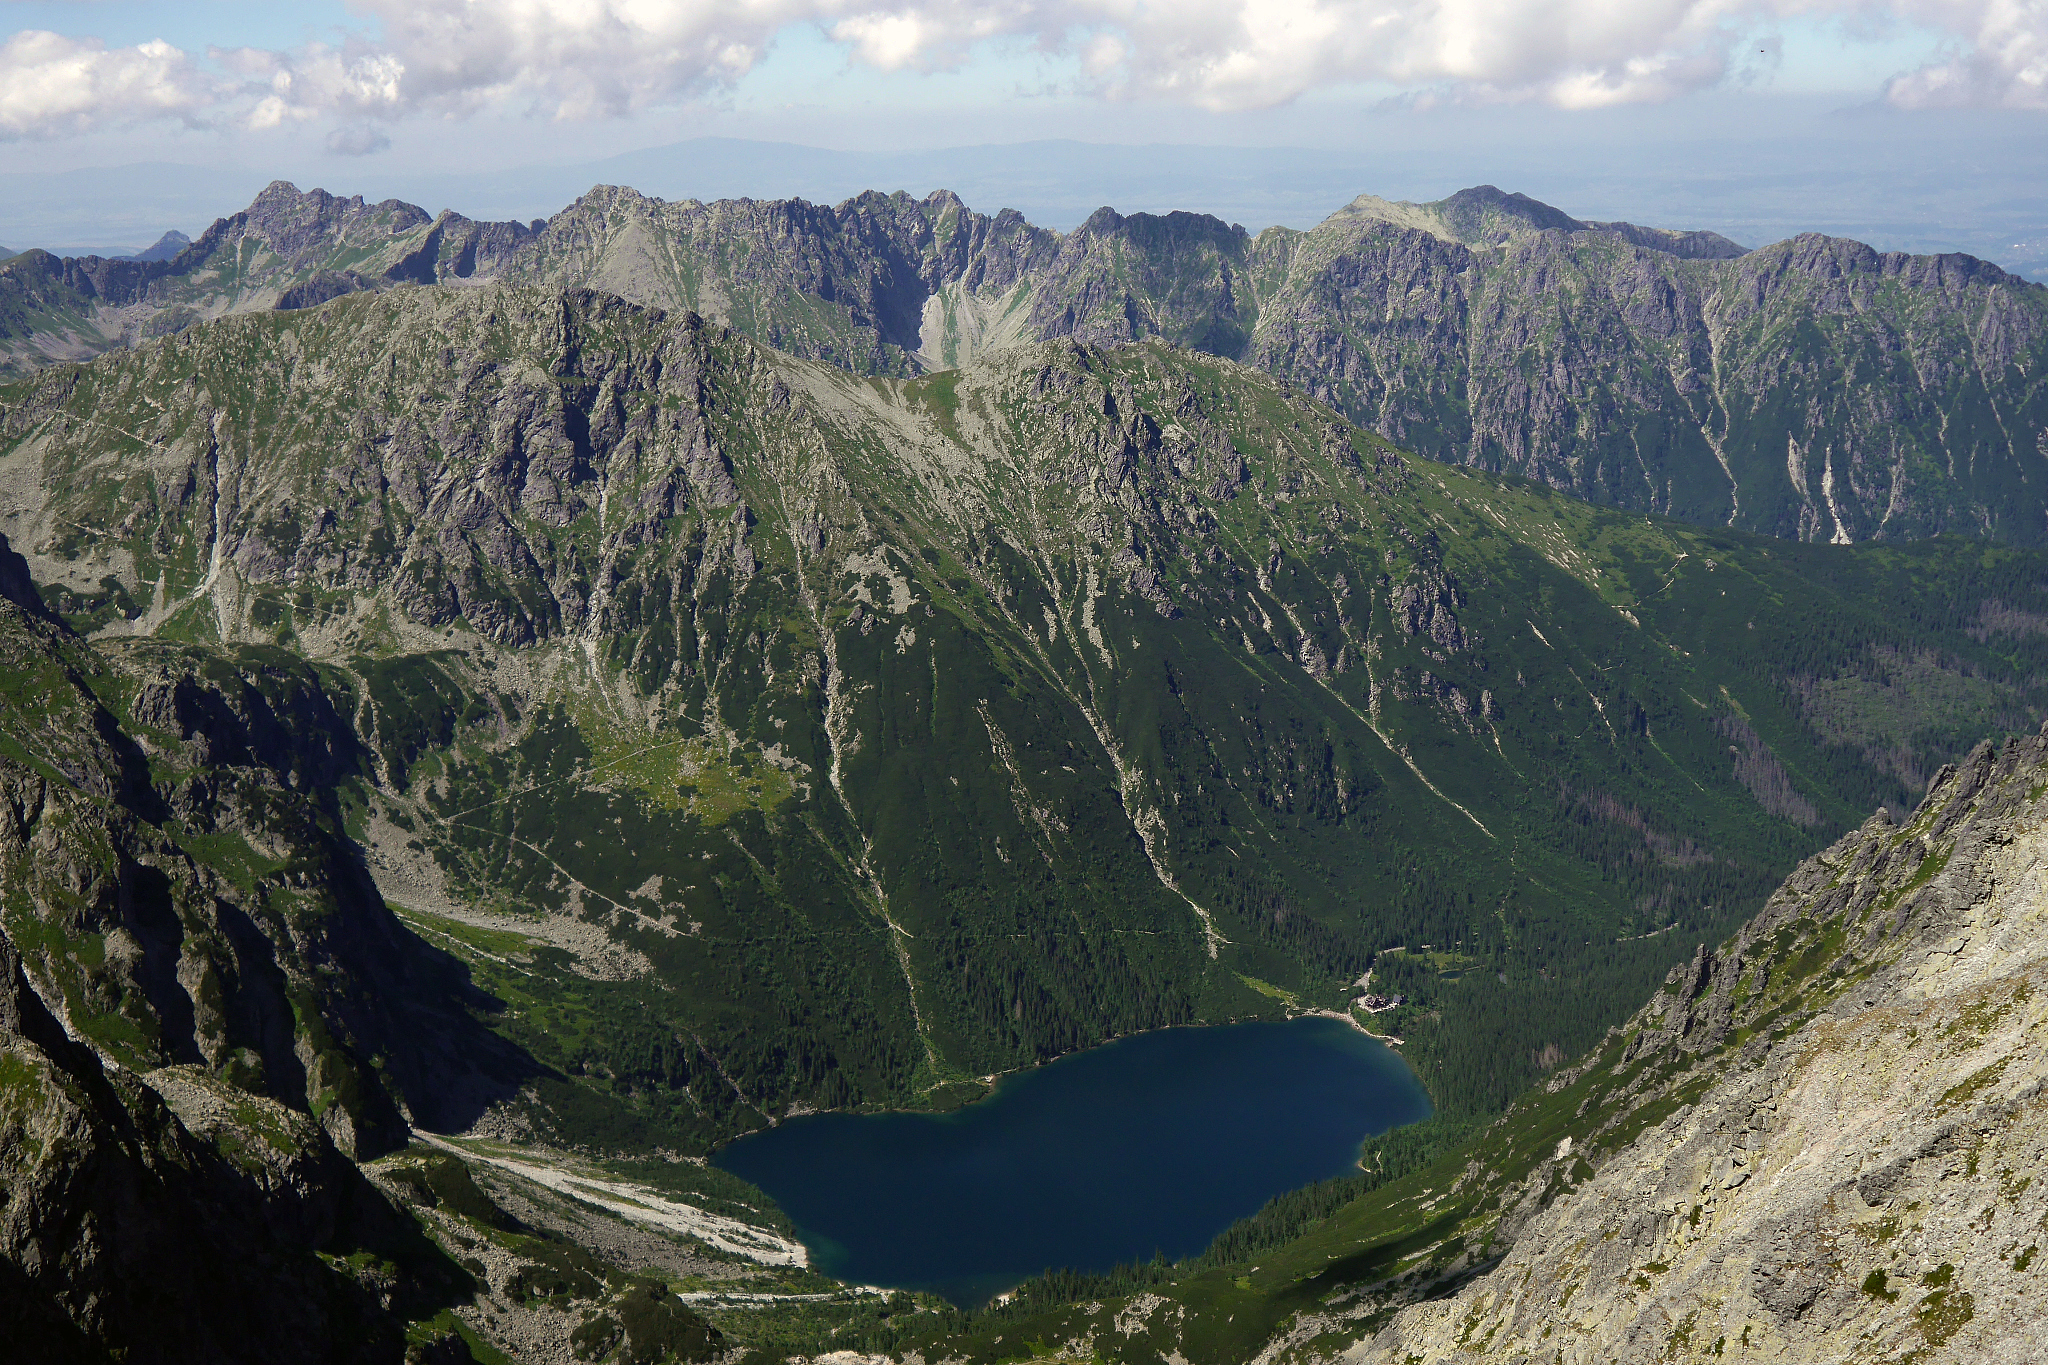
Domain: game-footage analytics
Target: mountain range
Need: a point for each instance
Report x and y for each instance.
(1812, 389)
(466, 723)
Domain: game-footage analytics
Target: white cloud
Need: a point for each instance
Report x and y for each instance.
(582, 59)
(1236, 54)
(940, 37)
(577, 58)
(51, 85)
(316, 80)
(2006, 64)
(360, 140)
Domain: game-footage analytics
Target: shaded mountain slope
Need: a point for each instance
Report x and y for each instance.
(764, 737)
(128, 1237)
(178, 887)
(167, 1209)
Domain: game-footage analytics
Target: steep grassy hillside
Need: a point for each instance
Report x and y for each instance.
(764, 737)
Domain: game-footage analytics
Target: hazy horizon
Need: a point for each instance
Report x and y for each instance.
(1917, 126)
(1753, 193)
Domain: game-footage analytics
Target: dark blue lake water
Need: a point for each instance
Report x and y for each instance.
(1152, 1143)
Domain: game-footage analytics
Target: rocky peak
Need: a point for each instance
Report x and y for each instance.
(296, 224)
(1692, 246)
(1484, 212)
(165, 248)
(1178, 228)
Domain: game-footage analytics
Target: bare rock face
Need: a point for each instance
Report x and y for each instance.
(1860, 1177)
(127, 1235)
(16, 585)
(285, 983)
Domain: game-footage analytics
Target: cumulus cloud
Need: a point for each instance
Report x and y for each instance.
(1236, 54)
(52, 85)
(361, 140)
(581, 59)
(2005, 65)
(577, 58)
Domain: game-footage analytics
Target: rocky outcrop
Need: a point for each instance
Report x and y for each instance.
(265, 956)
(846, 284)
(1852, 1168)
(128, 1235)
(1692, 246)
(16, 585)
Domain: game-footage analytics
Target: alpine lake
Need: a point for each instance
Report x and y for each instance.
(1149, 1145)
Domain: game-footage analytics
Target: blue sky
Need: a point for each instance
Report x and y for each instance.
(194, 26)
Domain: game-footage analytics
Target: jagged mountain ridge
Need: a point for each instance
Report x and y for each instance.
(1814, 389)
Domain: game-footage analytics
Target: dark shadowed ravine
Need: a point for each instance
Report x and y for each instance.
(1151, 1144)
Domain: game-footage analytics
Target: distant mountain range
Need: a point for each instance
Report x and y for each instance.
(1758, 168)
(163, 249)
(1814, 389)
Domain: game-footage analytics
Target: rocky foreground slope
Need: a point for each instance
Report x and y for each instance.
(1855, 1169)
(155, 1205)
(1814, 389)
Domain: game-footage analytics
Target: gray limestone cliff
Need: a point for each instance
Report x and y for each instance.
(1852, 1170)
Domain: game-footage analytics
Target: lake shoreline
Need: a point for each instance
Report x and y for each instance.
(990, 1082)
(1097, 1158)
